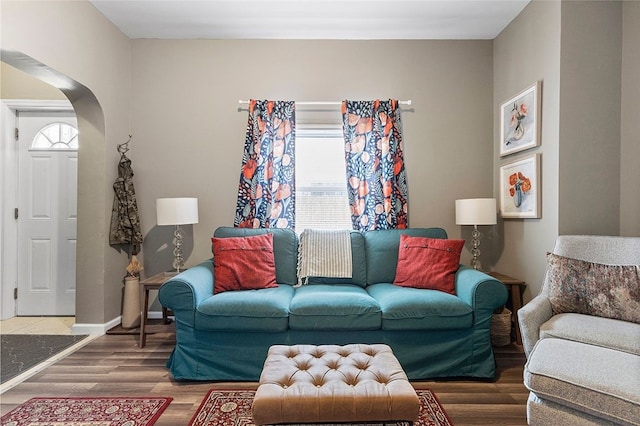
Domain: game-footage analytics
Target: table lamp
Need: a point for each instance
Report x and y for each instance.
(177, 211)
(476, 211)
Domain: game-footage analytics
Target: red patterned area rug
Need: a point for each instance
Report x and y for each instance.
(126, 411)
(233, 408)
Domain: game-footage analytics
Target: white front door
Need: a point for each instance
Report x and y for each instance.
(47, 206)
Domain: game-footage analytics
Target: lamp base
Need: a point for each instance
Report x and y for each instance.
(178, 261)
(475, 262)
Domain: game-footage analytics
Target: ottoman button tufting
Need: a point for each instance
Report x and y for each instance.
(315, 394)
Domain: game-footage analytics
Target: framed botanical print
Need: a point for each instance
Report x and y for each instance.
(520, 194)
(520, 121)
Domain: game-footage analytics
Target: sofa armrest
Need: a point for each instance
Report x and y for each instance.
(184, 292)
(479, 290)
(531, 317)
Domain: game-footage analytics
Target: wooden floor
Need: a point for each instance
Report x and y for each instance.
(113, 365)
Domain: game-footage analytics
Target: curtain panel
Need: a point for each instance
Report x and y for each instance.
(376, 177)
(266, 193)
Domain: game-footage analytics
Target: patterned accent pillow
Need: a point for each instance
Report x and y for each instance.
(428, 263)
(243, 263)
(609, 291)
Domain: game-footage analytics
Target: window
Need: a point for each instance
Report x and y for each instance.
(321, 187)
(56, 137)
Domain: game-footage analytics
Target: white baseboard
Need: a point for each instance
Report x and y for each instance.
(83, 328)
(80, 328)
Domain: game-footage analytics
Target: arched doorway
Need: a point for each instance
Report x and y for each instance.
(91, 295)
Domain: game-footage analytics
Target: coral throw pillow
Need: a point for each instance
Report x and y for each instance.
(243, 263)
(428, 263)
(609, 291)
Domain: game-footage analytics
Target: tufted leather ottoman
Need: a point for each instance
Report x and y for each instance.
(330, 383)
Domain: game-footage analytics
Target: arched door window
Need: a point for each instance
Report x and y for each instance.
(56, 137)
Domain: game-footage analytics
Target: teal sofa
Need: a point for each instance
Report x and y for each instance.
(225, 337)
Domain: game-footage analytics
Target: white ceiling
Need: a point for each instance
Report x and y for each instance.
(311, 19)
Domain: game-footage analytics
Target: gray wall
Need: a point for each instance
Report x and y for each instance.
(590, 72)
(526, 51)
(20, 85)
(189, 134)
(630, 124)
(588, 62)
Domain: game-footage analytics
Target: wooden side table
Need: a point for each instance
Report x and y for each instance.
(152, 283)
(515, 287)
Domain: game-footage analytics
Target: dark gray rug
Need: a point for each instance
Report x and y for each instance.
(20, 352)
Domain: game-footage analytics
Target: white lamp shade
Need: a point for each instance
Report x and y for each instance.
(177, 211)
(476, 211)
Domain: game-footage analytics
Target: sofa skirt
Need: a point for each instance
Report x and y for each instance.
(240, 356)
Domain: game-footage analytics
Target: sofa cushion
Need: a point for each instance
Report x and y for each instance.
(333, 307)
(610, 291)
(265, 310)
(605, 332)
(587, 378)
(243, 263)
(381, 249)
(428, 263)
(405, 308)
(285, 249)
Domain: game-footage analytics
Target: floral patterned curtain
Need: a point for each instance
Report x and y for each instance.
(266, 194)
(376, 178)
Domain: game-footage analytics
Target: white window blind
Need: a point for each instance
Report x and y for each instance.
(321, 188)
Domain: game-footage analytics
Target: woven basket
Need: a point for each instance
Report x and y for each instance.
(501, 328)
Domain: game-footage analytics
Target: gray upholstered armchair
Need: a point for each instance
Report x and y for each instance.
(581, 334)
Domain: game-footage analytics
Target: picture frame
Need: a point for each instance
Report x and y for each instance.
(520, 192)
(520, 121)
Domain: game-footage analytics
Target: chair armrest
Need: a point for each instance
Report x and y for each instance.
(481, 291)
(531, 317)
(184, 292)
